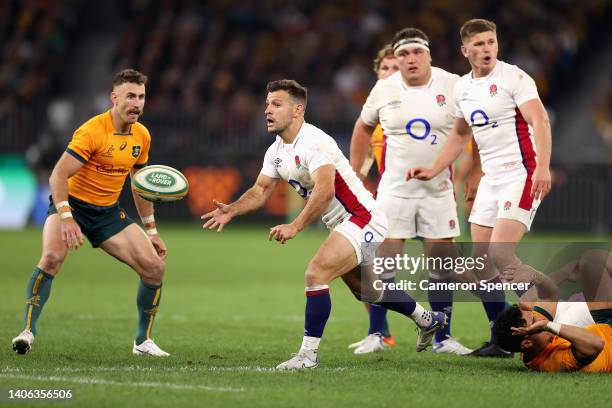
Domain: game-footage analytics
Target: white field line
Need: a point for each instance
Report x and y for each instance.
(99, 381)
(162, 369)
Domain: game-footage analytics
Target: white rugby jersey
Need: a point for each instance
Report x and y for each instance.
(311, 149)
(490, 106)
(416, 122)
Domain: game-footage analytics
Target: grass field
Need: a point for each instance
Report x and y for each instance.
(232, 308)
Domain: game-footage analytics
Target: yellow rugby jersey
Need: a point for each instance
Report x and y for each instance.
(558, 356)
(108, 157)
(376, 145)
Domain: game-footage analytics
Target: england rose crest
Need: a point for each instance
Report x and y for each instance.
(493, 90)
(441, 100)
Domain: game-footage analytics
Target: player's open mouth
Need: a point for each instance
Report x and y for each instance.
(269, 121)
(487, 59)
(412, 70)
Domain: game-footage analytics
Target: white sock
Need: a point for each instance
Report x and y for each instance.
(421, 316)
(310, 343)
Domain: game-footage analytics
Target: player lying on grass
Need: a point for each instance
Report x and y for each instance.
(310, 161)
(552, 346)
(85, 186)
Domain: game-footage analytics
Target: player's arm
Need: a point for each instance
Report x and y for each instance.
(472, 180)
(535, 114)
(543, 289)
(453, 147)
(65, 168)
(586, 346)
(320, 197)
(146, 212)
(360, 146)
(254, 198)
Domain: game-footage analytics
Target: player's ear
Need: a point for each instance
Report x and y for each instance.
(464, 51)
(526, 344)
(113, 97)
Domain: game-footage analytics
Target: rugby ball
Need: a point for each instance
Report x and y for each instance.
(160, 183)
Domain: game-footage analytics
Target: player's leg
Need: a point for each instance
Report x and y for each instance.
(400, 213)
(595, 271)
(133, 247)
(441, 300)
(335, 257)
(38, 290)
(438, 224)
(377, 339)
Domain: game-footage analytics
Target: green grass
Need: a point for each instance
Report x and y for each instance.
(231, 309)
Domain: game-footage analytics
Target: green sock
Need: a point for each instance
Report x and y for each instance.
(37, 293)
(147, 302)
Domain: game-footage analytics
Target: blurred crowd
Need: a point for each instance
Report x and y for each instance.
(35, 38)
(214, 58)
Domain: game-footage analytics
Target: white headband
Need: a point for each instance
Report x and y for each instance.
(410, 42)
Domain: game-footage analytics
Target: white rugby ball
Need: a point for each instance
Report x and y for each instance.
(160, 183)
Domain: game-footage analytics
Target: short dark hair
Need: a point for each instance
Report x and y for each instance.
(509, 318)
(290, 86)
(476, 26)
(129, 75)
(409, 32)
(384, 52)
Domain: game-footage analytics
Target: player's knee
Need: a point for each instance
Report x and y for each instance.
(153, 269)
(51, 261)
(316, 274)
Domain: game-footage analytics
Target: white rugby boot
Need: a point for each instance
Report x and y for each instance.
(23, 342)
(371, 344)
(148, 347)
(303, 359)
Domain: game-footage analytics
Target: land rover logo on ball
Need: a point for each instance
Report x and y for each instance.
(161, 179)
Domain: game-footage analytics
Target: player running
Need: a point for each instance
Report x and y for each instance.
(85, 186)
(499, 104)
(415, 109)
(310, 161)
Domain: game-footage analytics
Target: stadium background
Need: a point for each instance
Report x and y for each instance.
(227, 314)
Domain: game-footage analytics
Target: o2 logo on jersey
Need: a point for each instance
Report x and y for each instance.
(479, 118)
(426, 131)
(299, 188)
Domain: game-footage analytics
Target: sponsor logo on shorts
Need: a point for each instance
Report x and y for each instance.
(135, 151)
(452, 224)
(122, 215)
(507, 206)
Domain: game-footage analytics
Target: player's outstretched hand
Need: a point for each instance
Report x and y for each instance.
(419, 173)
(71, 233)
(283, 233)
(537, 327)
(541, 183)
(159, 245)
(519, 273)
(219, 217)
